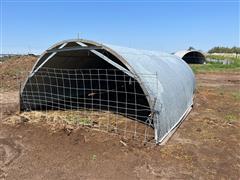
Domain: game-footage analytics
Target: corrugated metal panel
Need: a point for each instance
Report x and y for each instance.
(174, 89)
(181, 53)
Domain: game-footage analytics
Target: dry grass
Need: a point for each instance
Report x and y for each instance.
(103, 121)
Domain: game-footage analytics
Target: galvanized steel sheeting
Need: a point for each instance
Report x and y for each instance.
(174, 89)
(171, 96)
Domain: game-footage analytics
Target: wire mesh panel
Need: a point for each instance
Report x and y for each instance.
(106, 99)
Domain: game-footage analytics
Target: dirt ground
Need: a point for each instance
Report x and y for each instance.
(205, 146)
(14, 70)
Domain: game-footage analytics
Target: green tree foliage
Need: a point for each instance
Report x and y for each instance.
(225, 50)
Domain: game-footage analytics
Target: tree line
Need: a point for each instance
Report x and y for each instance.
(225, 50)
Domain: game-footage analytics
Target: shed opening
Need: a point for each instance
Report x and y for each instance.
(194, 57)
(73, 80)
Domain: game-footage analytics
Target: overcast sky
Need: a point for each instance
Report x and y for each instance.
(33, 26)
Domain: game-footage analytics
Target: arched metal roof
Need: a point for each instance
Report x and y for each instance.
(171, 96)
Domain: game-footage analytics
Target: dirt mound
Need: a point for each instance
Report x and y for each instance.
(14, 70)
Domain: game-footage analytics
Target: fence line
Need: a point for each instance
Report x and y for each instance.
(108, 99)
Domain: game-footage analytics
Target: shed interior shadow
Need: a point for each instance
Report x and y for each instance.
(194, 58)
(81, 80)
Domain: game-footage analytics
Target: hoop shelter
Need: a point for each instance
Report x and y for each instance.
(191, 57)
(167, 98)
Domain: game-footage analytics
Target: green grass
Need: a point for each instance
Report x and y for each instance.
(231, 118)
(74, 119)
(94, 157)
(217, 66)
(222, 57)
(236, 95)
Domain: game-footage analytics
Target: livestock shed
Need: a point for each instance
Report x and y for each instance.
(152, 88)
(191, 56)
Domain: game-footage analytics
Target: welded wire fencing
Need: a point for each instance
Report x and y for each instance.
(105, 99)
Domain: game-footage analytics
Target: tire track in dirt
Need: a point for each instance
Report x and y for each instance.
(10, 150)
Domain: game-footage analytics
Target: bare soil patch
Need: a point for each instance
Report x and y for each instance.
(206, 145)
(219, 79)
